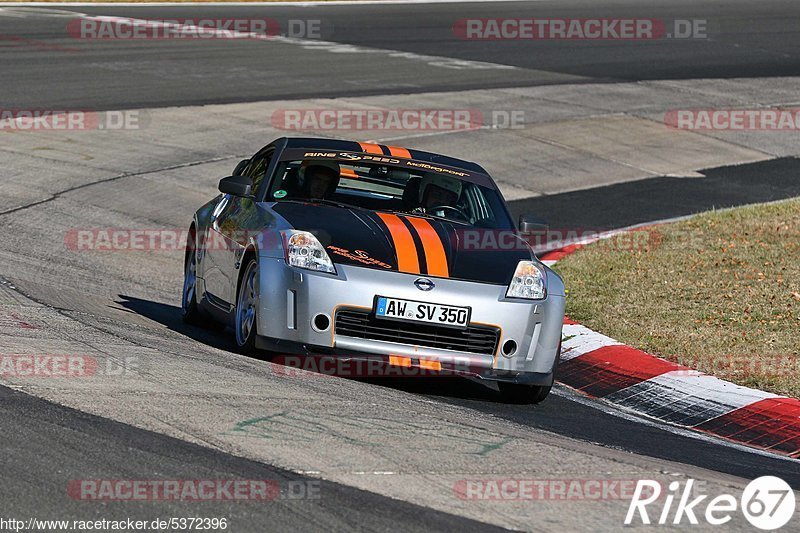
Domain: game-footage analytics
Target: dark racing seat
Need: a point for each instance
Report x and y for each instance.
(291, 183)
(411, 193)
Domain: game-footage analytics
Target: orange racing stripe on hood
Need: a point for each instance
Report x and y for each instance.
(371, 148)
(399, 152)
(435, 256)
(406, 250)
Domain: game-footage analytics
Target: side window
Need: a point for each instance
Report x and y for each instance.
(478, 207)
(286, 182)
(257, 170)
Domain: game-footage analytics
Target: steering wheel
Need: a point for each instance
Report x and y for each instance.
(456, 210)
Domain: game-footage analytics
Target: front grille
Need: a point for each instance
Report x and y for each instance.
(363, 325)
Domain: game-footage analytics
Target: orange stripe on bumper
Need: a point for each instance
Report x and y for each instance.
(430, 365)
(371, 148)
(397, 360)
(407, 259)
(399, 152)
(435, 256)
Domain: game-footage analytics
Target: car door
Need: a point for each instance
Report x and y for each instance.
(231, 223)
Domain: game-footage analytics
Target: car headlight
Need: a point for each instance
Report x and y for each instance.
(529, 282)
(303, 250)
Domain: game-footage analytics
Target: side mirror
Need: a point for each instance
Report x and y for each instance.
(532, 224)
(236, 186)
(240, 167)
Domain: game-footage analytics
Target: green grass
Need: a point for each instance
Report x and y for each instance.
(719, 293)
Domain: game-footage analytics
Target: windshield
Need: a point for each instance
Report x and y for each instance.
(380, 187)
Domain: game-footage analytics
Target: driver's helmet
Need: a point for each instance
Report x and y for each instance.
(445, 189)
(333, 165)
(311, 171)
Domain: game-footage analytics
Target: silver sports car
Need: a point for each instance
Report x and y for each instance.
(357, 250)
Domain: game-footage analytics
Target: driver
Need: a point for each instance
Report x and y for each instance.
(320, 179)
(438, 191)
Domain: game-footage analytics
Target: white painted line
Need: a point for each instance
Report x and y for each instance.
(308, 44)
(557, 245)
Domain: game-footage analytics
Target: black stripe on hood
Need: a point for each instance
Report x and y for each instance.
(358, 237)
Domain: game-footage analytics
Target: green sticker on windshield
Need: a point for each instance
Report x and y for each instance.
(279, 193)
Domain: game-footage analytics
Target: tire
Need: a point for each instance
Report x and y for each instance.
(189, 310)
(523, 394)
(246, 324)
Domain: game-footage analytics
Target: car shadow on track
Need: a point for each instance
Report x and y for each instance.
(444, 386)
(170, 316)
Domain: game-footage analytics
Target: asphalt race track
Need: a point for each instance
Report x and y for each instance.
(376, 454)
(745, 41)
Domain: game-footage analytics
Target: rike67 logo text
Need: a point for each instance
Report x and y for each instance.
(768, 503)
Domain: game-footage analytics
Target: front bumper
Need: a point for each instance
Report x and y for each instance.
(292, 298)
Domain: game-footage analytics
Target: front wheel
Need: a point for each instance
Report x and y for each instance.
(189, 310)
(523, 394)
(247, 309)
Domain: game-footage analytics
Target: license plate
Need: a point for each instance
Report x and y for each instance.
(409, 310)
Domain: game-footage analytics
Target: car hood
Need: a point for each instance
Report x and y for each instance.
(408, 243)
